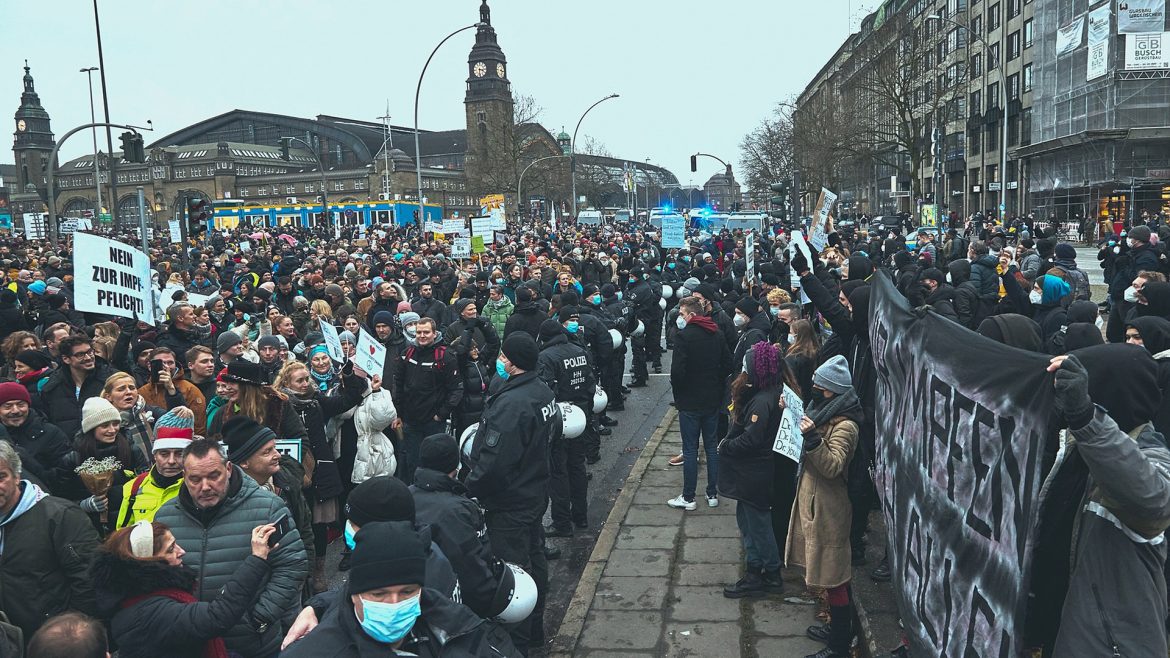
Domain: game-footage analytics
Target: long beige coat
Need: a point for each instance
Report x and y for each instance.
(818, 532)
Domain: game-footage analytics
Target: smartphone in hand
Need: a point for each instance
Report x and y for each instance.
(283, 525)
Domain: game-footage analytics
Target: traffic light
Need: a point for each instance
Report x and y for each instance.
(132, 148)
(198, 212)
(779, 203)
(285, 143)
(694, 163)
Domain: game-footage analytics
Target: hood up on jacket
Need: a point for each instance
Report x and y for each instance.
(1155, 334)
(1013, 330)
(960, 271)
(1123, 379)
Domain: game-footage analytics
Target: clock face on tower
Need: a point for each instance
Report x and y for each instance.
(499, 70)
(20, 125)
(480, 69)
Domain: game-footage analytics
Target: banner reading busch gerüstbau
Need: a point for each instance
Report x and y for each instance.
(961, 421)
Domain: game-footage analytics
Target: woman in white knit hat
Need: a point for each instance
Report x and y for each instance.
(101, 437)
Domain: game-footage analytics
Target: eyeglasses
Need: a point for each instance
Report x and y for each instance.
(83, 355)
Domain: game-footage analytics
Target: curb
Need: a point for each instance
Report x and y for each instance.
(867, 643)
(565, 641)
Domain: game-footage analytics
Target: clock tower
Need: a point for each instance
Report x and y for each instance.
(488, 103)
(33, 140)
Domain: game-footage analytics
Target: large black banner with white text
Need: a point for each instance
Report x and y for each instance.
(961, 421)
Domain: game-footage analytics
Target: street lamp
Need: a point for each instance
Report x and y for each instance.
(97, 177)
(573, 151)
(324, 184)
(1004, 126)
(417, 89)
(520, 183)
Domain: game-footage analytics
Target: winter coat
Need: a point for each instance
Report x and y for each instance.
(218, 540)
(145, 622)
(289, 484)
(375, 452)
(475, 386)
(180, 341)
(59, 401)
(1116, 601)
(756, 330)
(428, 384)
(699, 366)
(461, 332)
(563, 366)
(499, 312)
(145, 503)
(818, 531)
(985, 276)
(191, 397)
(44, 560)
(745, 456)
(458, 528)
(315, 411)
(432, 308)
(525, 317)
(942, 301)
(43, 450)
(444, 630)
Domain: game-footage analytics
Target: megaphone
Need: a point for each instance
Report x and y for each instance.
(600, 400)
(616, 337)
(573, 420)
(667, 291)
(465, 439)
(516, 593)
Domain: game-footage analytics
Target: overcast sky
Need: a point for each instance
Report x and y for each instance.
(693, 75)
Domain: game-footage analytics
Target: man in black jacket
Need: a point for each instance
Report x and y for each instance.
(526, 317)
(42, 445)
(180, 336)
(700, 364)
(509, 470)
(937, 293)
(564, 366)
(471, 326)
(645, 304)
(68, 388)
(429, 307)
(429, 389)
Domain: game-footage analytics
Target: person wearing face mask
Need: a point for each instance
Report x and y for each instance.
(753, 326)
(563, 366)
(509, 470)
(643, 299)
(937, 293)
(389, 607)
(1138, 256)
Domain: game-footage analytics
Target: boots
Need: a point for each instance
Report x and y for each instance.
(773, 582)
(838, 633)
(751, 585)
(319, 583)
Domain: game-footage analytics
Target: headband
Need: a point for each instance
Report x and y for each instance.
(142, 540)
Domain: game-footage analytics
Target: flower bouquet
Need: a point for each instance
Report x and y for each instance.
(98, 475)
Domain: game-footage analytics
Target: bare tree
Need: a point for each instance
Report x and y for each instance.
(595, 181)
(766, 154)
(506, 152)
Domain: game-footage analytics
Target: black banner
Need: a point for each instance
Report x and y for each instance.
(960, 427)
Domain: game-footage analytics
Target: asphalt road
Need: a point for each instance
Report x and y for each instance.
(645, 408)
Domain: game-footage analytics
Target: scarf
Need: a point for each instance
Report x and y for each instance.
(821, 411)
(212, 648)
(324, 380)
(31, 495)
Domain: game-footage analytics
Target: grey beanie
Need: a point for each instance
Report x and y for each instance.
(833, 375)
(691, 284)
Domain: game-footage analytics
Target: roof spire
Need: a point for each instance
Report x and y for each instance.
(485, 13)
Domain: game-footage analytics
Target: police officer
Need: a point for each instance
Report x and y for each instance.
(619, 314)
(642, 299)
(509, 470)
(564, 366)
(594, 334)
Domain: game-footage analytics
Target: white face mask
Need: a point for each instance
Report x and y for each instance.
(739, 320)
(1131, 295)
(680, 322)
(1035, 296)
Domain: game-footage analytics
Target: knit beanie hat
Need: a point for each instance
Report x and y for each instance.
(140, 347)
(520, 348)
(10, 391)
(707, 291)
(34, 359)
(385, 554)
(384, 317)
(37, 287)
(549, 329)
(227, 340)
(96, 411)
(1065, 251)
(347, 337)
(268, 341)
(173, 432)
(410, 317)
(439, 452)
(380, 498)
(833, 375)
(403, 307)
(748, 307)
(1140, 233)
(244, 437)
(461, 305)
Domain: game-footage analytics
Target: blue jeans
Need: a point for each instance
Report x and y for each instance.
(759, 542)
(412, 437)
(690, 424)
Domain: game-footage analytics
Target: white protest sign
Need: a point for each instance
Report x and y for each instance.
(461, 248)
(797, 242)
(245, 245)
(34, 225)
(431, 226)
(817, 234)
(176, 231)
(197, 300)
(111, 278)
(452, 226)
(332, 342)
(749, 255)
(498, 221)
(789, 440)
(482, 226)
(370, 355)
(674, 234)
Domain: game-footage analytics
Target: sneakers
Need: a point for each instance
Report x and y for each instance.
(677, 460)
(712, 501)
(682, 503)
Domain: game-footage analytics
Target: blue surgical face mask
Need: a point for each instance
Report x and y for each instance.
(670, 265)
(349, 532)
(500, 282)
(389, 622)
(633, 281)
(596, 299)
(572, 327)
(500, 370)
(774, 311)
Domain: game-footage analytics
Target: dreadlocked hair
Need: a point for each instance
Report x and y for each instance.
(768, 370)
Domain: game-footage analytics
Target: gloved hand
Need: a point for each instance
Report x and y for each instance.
(1072, 393)
(94, 504)
(799, 263)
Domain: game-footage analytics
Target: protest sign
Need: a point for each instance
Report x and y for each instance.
(960, 431)
(112, 278)
(290, 447)
(197, 300)
(796, 241)
(370, 355)
(818, 234)
(332, 342)
(477, 244)
(176, 231)
(452, 226)
(789, 441)
(461, 248)
(482, 226)
(674, 234)
(431, 226)
(749, 255)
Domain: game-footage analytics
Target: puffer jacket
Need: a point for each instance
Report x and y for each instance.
(445, 630)
(375, 452)
(146, 623)
(498, 313)
(218, 540)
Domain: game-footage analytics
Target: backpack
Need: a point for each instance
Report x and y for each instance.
(1080, 283)
(440, 354)
(135, 486)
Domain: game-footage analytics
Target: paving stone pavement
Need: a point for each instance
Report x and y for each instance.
(654, 584)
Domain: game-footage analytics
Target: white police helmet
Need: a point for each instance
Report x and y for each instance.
(520, 591)
(667, 291)
(465, 439)
(573, 419)
(616, 337)
(600, 400)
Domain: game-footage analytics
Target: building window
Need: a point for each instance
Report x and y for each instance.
(993, 17)
(1013, 45)
(290, 189)
(1013, 86)
(1028, 33)
(973, 143)
(977, 25)
(977, 65)
(993, 96)
(1014, 131)
(1013, 8)
(243, 191)
(310, 188)
(1027, 73)
(993, 57)
(1026, 127)
(992, 173)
